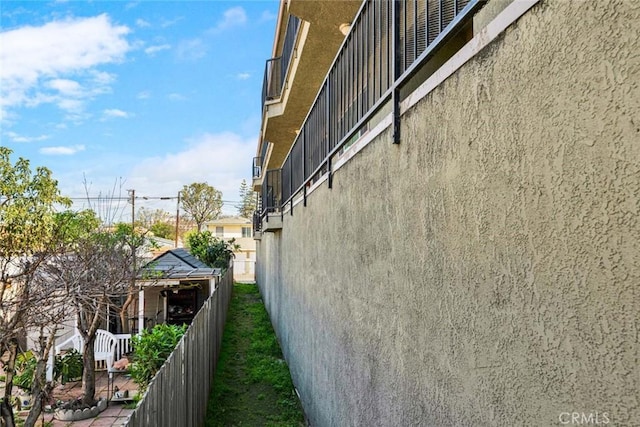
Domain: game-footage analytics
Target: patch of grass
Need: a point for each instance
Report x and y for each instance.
(252, 385)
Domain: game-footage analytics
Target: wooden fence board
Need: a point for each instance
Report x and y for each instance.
(179, 393)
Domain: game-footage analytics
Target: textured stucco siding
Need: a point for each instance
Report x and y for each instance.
(485, 271)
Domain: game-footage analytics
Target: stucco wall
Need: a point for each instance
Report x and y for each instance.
(486, 270)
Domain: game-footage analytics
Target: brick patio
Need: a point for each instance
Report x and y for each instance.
(114, 415)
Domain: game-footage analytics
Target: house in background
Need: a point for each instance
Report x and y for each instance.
(240, 229)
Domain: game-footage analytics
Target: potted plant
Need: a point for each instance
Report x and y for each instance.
(25, 370)
(68, 367)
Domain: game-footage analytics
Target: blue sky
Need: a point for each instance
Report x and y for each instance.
(154, 94)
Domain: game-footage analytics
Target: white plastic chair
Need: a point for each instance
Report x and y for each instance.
(104, 347)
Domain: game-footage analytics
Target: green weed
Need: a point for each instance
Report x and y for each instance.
(252, 384)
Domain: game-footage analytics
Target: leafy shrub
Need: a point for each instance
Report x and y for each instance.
(68, 367)
(25, 368)
(214, 252)
(151, 349)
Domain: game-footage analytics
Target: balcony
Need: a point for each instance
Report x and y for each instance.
(258, 166)
(257, 226)
(391, 48)
(307, 38)
(276, 69)
(270, 213)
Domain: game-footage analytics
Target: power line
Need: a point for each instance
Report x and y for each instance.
(126, 199)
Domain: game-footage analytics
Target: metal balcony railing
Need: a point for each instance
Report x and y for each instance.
(257, 167)
(276, 69)
(272, 83)
(271, 192)
(388, 42)
(259, 162)
(265, 148)
(257, 223)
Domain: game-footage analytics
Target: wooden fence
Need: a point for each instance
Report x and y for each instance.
(178, 394)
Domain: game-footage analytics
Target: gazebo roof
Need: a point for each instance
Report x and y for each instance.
(178, 264)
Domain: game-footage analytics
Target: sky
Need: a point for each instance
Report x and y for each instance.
(144, 95)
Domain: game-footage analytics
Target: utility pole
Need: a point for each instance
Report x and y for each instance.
(177, 219)
(132, 194)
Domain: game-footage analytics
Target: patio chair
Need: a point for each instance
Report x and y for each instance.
(104, 347)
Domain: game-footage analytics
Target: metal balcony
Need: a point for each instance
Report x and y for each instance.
(276, 69)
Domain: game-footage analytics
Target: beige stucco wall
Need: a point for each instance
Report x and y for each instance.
(244, 261)
(485, 271)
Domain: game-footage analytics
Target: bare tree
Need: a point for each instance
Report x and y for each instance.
(97, 270)
(146, 217)
(186, 224)
(130, 238)
(47, 310)
(135, 243)
(108, 206)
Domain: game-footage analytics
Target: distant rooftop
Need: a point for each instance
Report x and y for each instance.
(230, 220)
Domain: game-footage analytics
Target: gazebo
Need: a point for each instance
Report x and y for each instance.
(172, 288)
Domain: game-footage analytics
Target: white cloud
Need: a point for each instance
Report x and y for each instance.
(115, 113)
(171, 22)
(38, 60)
(267, 16)
(191, 49)
(65, 87)
(20, 138)
(62, 150)
(77, 117)
(176, 97)
(102, 78)
(145, 94)
(142, 23)
(151, 50)
(233, 17)
(71, 105)
(243, 76)
(218, 159)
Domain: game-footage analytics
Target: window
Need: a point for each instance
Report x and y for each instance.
(246, 231)
(219, 231)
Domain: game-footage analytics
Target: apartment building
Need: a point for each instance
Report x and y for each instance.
(448, 228)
